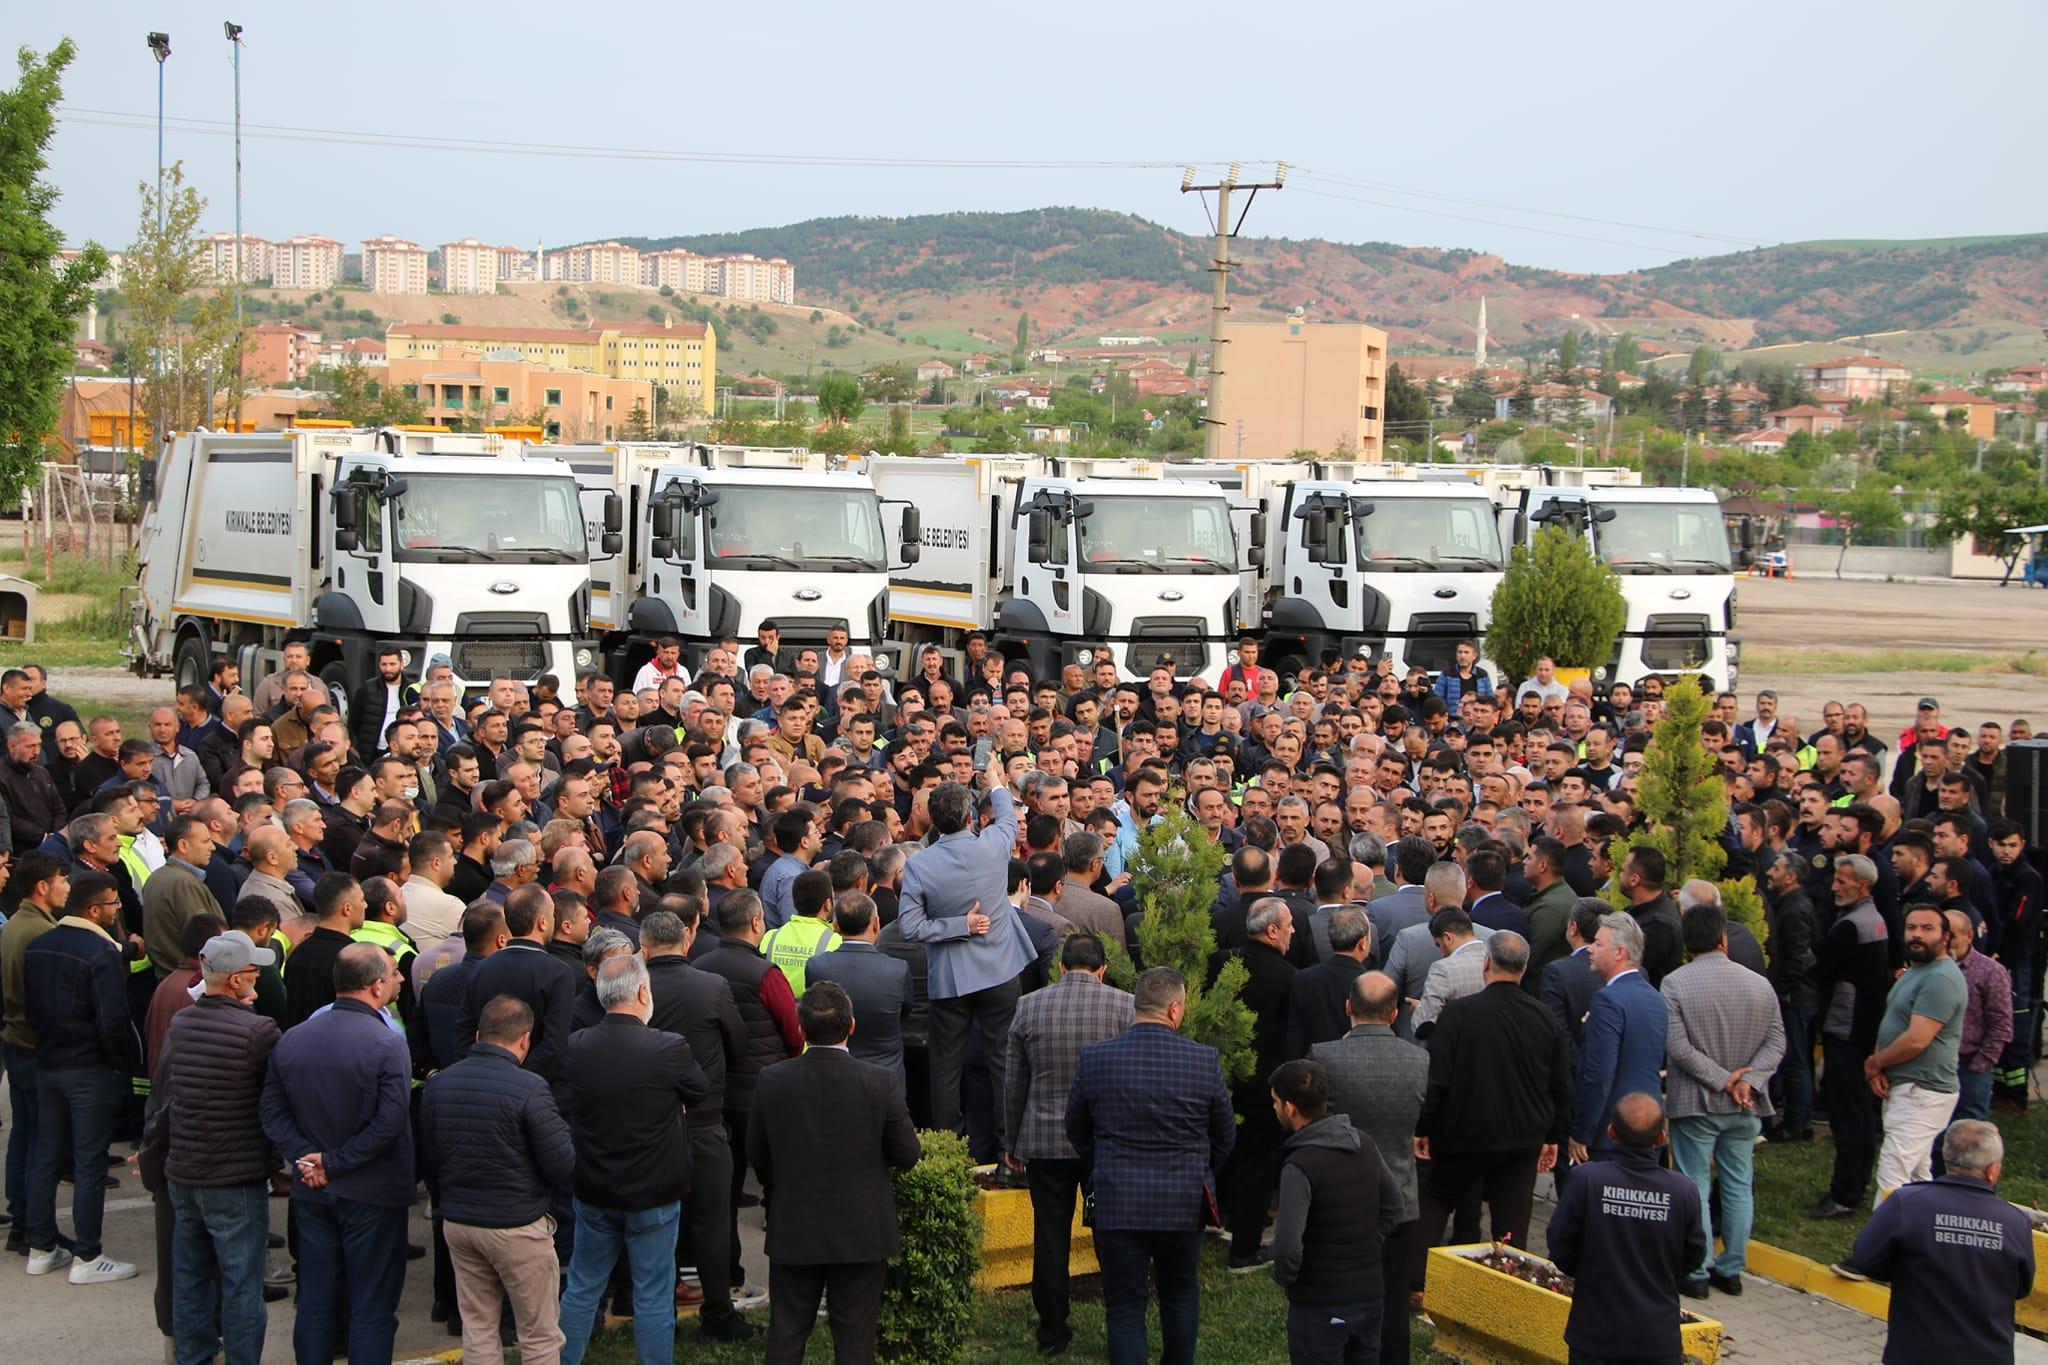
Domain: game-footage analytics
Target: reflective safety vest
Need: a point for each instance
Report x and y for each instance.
(793, 944)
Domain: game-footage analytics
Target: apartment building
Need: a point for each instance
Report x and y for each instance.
(515, 266)
(749, 279)
(596, 263)
(1295, 385)
(308, 261)
(469, 267)
(462, 386)
(280, 353)
(684, 271)
(393, 265)
(217, 257)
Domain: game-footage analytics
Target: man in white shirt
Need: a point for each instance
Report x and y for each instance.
(431, 914)
(667, 663)
(1544, 685)
(832, 663)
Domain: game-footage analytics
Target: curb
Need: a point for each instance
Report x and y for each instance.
(1809, 1276)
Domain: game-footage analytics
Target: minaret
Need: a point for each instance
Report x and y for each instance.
(1479, 350)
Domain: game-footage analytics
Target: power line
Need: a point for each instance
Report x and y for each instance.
(113, 118)
(1404, 191)
(1489, 222)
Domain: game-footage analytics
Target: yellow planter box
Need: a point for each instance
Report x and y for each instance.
(1486, 1318)
(2032, 1311)
(1006, 1240)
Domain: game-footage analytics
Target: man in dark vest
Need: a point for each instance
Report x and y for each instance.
(1338, 1202)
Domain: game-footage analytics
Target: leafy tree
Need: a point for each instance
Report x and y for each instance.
(898, 440)
(839, 398)
(1407, 406)
(889, 384)
(1624, 355)
(1867, 509)
(1175, 875)
(1190, 371)
(639, 427)
(39, 298)
(1023, 332)
(1700, 368)
(355, 397)
(1473, 401)
(1557, 599)
(1986, 507)
(1568, 352)
(175, 311)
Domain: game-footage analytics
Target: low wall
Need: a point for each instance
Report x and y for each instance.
(1818, 561)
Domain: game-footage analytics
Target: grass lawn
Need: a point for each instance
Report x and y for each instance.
(1792, 1176)
(1243, 1323)
(1780, 660)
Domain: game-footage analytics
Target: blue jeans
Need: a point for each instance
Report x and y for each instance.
(217, 1252)
(1796, 1072)
(359, 1249)
(648, 1237)
(1345, 1334)
(21, 1144)
(1973, 1098)
(77, 1106)
(1174, 1259)
(1703, 1144)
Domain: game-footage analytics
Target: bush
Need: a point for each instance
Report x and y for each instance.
(928, 1302)
(1556, 599)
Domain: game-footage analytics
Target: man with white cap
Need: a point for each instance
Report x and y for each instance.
(216, 1162)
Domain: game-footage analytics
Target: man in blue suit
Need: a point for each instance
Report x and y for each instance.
(956, 901)
(1150, 1118)
(1622, 1051)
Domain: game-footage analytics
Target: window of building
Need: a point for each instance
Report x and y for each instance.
(501, 394)
(553, 430)
(607, 408)
(412, 391)
(553, 398)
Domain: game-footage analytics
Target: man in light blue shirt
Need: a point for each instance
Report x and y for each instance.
(956, 901)
(1139, 808)
(795, 837)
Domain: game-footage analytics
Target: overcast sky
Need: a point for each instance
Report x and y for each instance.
(1668, 131)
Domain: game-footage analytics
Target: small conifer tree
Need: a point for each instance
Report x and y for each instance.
(1176, 873)
(1556, 600)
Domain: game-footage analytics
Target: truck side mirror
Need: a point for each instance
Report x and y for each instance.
(146, 479)
(663, 547)
(1317, 525)
(1040, 535)
(610, 543)
(614, 518)
(1603, 514)
(1258, 530)
(913, 528)
(1744, 557)
(344, 510)
(910, 550)
(663, 515)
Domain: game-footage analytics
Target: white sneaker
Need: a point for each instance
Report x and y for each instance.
(105, 1270)
(43, 1262)
(745, 1296)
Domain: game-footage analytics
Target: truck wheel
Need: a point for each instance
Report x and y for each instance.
(192, 661)
(334, 676)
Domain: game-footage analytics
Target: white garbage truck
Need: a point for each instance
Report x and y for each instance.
(1362, 558)
(440, 542)
(1668, 546)
(1064, 559)
(720, 539)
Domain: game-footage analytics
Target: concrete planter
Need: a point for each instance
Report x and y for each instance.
(1007, 1240)
(2032, 1311)
(1484, 1317)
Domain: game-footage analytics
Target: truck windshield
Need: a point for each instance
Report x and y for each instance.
(515, 518)
(828, 529)
(1158, 535)
(1664, 537)
(1457, 535)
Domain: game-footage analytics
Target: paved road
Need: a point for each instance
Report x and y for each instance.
(49, 1319)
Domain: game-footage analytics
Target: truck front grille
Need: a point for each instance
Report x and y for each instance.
(481, 660)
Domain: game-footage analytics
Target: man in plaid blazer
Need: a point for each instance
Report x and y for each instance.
(1150, 1118)
(1724, 1040)
(1046, 1038)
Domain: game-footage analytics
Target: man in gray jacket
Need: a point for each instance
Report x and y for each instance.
(956, 902)
(1377, 1080)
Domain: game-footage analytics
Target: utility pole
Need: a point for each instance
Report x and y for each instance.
(1219, 267)
(234, 35)
(160, 48)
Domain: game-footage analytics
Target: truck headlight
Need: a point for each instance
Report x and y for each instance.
(405, 658)
(583, 658)
(1084, 657)
(884, 662)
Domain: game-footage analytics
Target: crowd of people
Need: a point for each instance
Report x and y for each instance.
(578, 960)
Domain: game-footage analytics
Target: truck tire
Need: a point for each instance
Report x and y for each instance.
(334, 676)
(192, 660)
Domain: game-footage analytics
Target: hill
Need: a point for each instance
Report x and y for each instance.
(958, 281)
